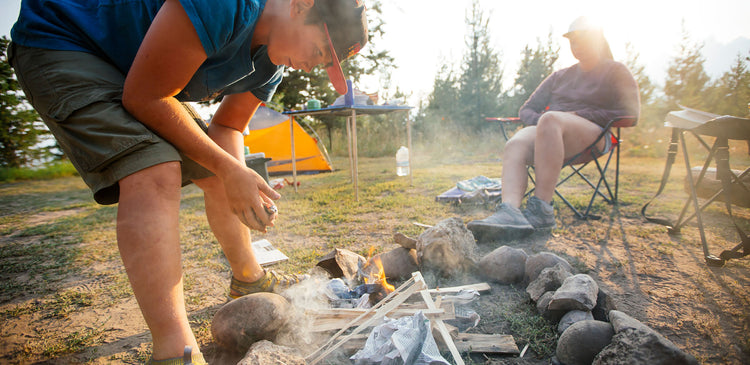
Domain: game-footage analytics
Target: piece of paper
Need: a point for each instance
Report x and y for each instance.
(266, 254)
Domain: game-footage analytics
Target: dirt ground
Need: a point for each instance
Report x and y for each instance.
(659, 279)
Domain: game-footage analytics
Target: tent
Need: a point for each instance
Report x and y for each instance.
(268, 132)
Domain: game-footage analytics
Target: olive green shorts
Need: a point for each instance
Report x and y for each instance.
(79, 97)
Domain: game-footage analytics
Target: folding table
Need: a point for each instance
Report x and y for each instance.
(350, 112)
(724, 128)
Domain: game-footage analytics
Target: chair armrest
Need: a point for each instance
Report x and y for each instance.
(502, 122)
(509, 119)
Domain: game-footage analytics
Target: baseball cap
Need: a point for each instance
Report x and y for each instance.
(581, 24)
(345, 25)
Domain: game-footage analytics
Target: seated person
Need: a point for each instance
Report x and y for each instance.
(564, 115)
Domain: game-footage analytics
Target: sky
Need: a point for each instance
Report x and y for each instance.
(422, 35)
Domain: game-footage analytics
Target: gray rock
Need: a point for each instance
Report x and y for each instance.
(543, 302)
(267, 353)
(638, 346)
(578, 292)
(447, 249)
(398, 264)
(572, 317)
(536, 263)
(504, 265)
(582, 341)
(542, 306)
(405, 241)
(604, 304)
(621, 321)
(246, 320)
(550, 279)
(636, 343)
(342, 263)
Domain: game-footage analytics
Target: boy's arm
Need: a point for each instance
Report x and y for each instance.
(168, 57)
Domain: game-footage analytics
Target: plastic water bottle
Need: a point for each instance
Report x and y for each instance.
(402, 161)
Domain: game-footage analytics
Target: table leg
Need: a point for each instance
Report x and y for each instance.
(354, 152)
(349, 147)
(408, 142)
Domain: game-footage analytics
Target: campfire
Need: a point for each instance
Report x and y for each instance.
(375, 281)
(364, 310)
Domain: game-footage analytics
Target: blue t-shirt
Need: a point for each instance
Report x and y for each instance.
(114, 29)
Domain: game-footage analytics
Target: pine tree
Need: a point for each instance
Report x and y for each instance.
(731, 93)
(480, 83)
(20, 129)
(535, 66)
(687, 80)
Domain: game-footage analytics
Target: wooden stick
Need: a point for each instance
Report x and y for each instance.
(442, 329)
(371, 309)
(398, 296)
(488, 344)
(333, 319)
(455, 289)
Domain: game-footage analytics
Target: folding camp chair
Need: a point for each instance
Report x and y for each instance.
(723, 128)
(578, 162)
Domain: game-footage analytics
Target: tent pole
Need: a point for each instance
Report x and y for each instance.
(294, 158)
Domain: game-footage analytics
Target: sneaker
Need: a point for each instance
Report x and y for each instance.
(505, 219)
(271, 282)
(540, 214)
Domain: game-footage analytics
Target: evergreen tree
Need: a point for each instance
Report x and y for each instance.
(646, 88)
(649, 137)
(535, 66)
(687, 80)
(731, 93)
(480, 83)
(20, 127)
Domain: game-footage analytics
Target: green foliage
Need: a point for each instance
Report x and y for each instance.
(535, 66)
(686, 77)
(731, 93)
(480, 83)
(20, 129)
(461, 100)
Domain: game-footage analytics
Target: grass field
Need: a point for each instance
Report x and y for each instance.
(64, 296)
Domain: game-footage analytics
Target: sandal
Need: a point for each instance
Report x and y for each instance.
(186, 359)
(271, 282)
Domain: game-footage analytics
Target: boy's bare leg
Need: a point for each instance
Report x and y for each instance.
(148, 239)
(233, 235)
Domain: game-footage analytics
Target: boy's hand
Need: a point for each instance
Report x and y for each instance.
(248, 196)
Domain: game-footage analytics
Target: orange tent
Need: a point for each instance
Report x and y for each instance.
(269, 132)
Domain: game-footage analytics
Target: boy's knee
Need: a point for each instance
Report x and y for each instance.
(165, 175)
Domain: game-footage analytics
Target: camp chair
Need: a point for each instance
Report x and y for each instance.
(733, 189)
(578, 162)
